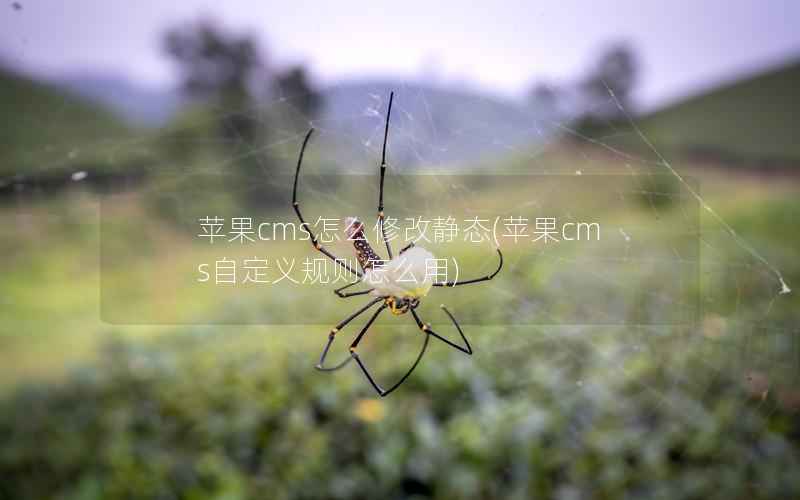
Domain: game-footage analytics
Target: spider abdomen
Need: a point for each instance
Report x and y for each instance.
(366, 256)
(403, 277)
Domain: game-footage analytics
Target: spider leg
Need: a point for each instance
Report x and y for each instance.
(381, 391)
(304, 224)
(383, 172)
(475, 280)
(410, 245)
(425, 327)
(332, 335)
(342, 294)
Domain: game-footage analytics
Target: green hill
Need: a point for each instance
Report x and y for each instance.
(45, 130)
(751, 120)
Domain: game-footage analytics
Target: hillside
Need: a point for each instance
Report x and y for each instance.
(136, 103)
(45, 130)
(432, 125)
(751, 120)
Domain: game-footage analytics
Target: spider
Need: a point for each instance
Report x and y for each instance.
(383, 278)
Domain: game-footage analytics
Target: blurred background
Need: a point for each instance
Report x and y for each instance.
(662, 362)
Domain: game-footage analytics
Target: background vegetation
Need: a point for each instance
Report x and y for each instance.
(699, 409)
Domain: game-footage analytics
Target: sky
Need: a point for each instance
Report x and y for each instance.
(497, 47)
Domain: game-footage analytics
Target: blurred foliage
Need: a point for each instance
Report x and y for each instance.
(46, 131)
(293, 85)
(600, 99)
(223, 68)
(213, 62)
(708, 411)
(544, 417)
(230, 79)
(189, 136)
(610, 83)
(657, 190)
(746, 122)
(227, 71)
(704, 411)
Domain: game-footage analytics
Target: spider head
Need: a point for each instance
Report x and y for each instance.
(353, 228)
(401, 305)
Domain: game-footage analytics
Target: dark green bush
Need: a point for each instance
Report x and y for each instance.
(558, 417)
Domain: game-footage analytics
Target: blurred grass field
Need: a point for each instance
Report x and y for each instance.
(52, 272)
(706, 408)
(573, 404)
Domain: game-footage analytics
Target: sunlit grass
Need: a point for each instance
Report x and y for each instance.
(52, 275)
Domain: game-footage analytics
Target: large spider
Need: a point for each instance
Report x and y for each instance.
(384, 278)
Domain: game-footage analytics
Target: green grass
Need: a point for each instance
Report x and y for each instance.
(232, 411)
(52, 274)
(704, 409)
(45, 130)
(221, 414)
(750, 120)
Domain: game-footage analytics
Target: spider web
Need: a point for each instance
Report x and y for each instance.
(762, 338)
(434, 146)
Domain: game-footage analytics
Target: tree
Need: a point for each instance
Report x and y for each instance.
(294, 86)
(616, 72)
(228, 71)
(220, 67)
(224, 72)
